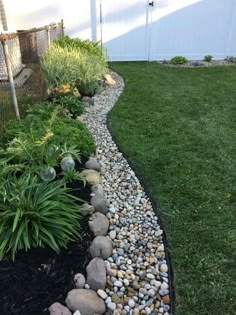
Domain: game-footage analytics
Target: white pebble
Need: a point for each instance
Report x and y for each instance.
(150, 276)
(131, 303)
(111, 306)
(102, 294)
(118, 284)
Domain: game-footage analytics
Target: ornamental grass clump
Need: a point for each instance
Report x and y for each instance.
(78, 63)
(36, 214)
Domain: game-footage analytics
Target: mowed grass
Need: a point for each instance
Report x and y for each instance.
(178, 128)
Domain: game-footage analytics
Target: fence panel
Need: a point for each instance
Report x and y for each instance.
(24, 51)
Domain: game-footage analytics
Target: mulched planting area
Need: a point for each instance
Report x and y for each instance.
(40, 277)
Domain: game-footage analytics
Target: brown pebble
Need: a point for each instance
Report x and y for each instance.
(166, 299)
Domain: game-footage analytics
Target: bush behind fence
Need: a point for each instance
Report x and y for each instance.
(21, 80)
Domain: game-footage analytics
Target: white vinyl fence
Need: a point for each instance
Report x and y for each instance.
(140, 29)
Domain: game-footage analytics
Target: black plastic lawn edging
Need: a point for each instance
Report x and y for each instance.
(156, 207)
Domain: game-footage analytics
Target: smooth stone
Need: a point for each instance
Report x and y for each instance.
(80, 299)
(86, 286)
(150, 276)
(87, 209)
(77, 313)
(93, 164)
(89, 100)
(164, 268)
(92, 177)
(151, 293)
(102, 294)
(157, 284)
(115, 298)
(100, 203)
(163, 292)
(79, 280)
(97, 189)
(131, 303)
(126, 282)
(164, 286)
(166, 299)
(98, 224)
(111, 306)
(59, 309)
(118, 284)
(112, 234)
(96, 274)
(109, 80)
(112, 272)
(101, 247)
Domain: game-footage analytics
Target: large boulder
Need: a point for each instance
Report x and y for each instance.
(101, 247)
(93, 164)
(98, 224)
(86, 209)
(97, 189)
(92, 177)
(96, 274)
(86, 301)
(58, 309)
(100, 203)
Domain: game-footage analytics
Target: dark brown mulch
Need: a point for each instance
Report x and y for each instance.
(40, 277)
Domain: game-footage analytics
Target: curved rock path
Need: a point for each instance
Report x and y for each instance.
(137, 271)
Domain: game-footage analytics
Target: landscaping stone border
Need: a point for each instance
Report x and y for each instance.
(129, 273)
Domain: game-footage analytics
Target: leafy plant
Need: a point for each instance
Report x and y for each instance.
(72, 103)
(230, 59)
(208, 58)
(36, 214)
(178, 60)
(73, 175)
(66, 134)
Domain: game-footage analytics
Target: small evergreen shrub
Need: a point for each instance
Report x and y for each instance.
(178, 60)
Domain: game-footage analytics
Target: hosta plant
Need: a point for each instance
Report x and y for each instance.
(36, 214)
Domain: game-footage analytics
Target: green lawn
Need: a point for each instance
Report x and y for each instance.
(181, 127)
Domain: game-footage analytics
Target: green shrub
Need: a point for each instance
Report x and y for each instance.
(69, 62)
(72, 103)
(230, 59)
(208, 58)
(178, 60)
(36, 214)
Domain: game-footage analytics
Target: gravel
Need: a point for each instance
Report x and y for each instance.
(137, 269)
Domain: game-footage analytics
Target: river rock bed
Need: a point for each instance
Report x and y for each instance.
(137, 271)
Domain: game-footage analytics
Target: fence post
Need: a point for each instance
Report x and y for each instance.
(10, 77)
(48, 36)
(62, 27)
